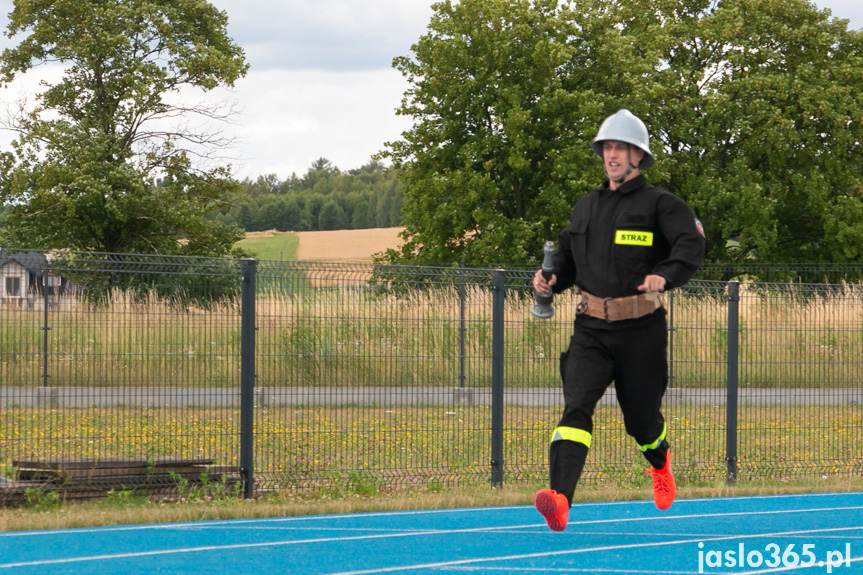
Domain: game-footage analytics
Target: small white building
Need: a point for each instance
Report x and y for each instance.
(24, 282)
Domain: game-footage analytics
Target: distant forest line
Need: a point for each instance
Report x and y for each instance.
(325, 198)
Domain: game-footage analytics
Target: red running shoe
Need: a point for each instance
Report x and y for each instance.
(554, 507)
(663, 484)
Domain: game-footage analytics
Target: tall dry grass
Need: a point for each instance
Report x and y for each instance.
(791, 337)
(355, 336)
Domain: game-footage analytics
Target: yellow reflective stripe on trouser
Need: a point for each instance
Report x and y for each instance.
(571, 434)
(656, 443)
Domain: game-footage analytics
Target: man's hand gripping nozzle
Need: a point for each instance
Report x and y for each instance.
(542, 308)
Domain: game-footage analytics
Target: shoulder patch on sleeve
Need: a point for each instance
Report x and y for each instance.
(699, 227)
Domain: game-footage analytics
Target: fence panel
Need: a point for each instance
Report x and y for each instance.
(140, 374)
(801, 380)
(370, 375)
(695, 402)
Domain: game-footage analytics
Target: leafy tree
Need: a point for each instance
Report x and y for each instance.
(291, 216)
(269, 212)
(332, 216)
(3, 210)
(245, 218)
(318, 176)
(362, 216)
(753, 106)
(766, 143)
(496, 128)
(312, 205)
(94, 166)
(370, 196)
(389, 208)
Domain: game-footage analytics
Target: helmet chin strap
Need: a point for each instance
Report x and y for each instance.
(629, 169)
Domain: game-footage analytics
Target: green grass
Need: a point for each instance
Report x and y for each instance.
(362, 448)
(277, 247)
(351, 459)
(122, 510)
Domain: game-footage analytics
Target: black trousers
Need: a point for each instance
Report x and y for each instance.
(635, 360)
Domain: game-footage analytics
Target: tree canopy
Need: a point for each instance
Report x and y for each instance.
(754, 108)
(104, 160)
(325, 198)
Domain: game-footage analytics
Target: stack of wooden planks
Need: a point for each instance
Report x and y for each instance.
(90, 478)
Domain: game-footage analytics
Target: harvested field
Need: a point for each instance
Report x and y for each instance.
(346, 245)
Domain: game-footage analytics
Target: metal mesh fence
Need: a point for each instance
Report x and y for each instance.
(801, 368)
(362, 375)
(371, 375)
(797, 273)
(122, 376)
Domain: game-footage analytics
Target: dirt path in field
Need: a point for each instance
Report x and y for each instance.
(346, 245)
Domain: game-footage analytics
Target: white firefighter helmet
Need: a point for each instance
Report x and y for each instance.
(624, 126)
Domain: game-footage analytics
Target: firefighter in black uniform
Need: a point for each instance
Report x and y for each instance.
(625, 243)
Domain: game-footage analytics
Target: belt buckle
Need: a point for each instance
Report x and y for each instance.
(605, 309)
(581, 307)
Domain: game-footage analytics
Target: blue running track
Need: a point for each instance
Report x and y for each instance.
(815, 533)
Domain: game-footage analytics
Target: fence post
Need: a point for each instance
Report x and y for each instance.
(731, 383)
(671, 330)
(247, 376)
(45, 329)
(497, 351)
(461, 327)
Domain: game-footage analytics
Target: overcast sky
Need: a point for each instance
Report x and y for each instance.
(321, 82)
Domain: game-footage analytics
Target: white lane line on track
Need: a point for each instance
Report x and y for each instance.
(104, 557)
(310, 518)
(465, 562)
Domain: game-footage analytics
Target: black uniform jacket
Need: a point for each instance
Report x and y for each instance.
(617, 237)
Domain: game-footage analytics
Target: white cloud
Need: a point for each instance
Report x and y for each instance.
(291, 118)
(325, 34)
(321, 82)
(851, 10)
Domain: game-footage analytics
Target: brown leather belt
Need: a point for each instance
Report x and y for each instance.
(618, 308)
